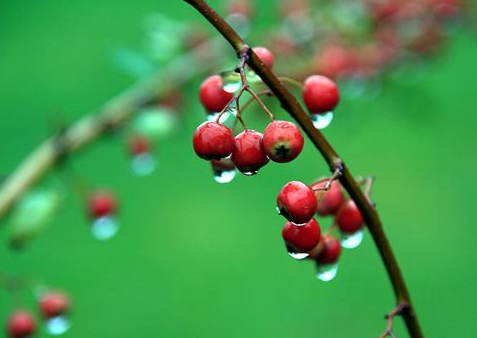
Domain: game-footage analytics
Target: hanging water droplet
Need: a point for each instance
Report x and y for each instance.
(249, 173)
(326, 272)
(143, 164)
(226, 116)
(299, 224)
(58, 325)
(292, 252)
(351, 241)
(104, 228)
(231, 81)
(321, 121)
(240, 23)
(224, 170)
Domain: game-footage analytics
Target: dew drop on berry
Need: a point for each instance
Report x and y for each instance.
(143, 164)
(231, 82)
(57, 325)
(351, 241)
(104, 228)
(321, 121)
(326, 272)
(292, 252)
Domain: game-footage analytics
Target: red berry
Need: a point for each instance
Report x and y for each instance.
(265, 55)
(241, 7)
(320, 94)
(302, 238)
(213, 141)
(20, 325)
(349, 218)
(54, 304)
(212, 95)
(297, 202)
(329, 202)
(330, 252)
(139, 145)
(282, 141)
(101, 203)
(248, 154)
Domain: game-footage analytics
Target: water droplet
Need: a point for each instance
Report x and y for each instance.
(58, 325)
(226, 117)
(299, 224)
(326, 272)
(278, 210)
(351, 241)
(249, 173)
(104, 228)
(292, 252)
(321, 121)
(143, 164)
(231, 81)
(240, 23)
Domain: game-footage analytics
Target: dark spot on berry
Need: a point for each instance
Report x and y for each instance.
(282, 151)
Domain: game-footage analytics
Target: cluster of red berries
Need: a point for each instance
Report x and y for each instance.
(22, 324)
(299, 203)
(250, 150)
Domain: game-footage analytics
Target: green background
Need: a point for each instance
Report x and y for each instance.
(199, 259)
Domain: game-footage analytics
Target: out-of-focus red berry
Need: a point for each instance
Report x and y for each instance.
(320, 94)
(212, 94)
(349, 218)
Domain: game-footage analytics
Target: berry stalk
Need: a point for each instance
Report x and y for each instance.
(291, 105)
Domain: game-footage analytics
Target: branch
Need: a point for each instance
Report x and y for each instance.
(114, 114)
(291, 105)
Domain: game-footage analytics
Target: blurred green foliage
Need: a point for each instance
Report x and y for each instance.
(199, 259)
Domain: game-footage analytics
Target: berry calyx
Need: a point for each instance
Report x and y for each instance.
(212, 94)
(282, 141)
(297, 202)
(139, 145)
(54, 304)
(330, 251)
(100, 204)
(21, 324)
(248, 153)
(301, 239)
(328, 202)
(265, 55)
(349, 218)
(320, 94)
(213, 141)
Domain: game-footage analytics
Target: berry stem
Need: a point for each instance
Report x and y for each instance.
(291, 105)
(291, 81)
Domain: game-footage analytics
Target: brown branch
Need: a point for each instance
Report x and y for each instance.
(114, 114)
(291, 105)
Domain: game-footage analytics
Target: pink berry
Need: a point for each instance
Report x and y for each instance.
(101, 203)
(303, 238)
(54, 304)
(329, 202)
(265, 55)
(21, 324)
(349, 218)
(297, 202)
(330, 252)
(213, 141)
(282, 141)
(320, 94)
(248, 154)
(212, 95)
(139, 145)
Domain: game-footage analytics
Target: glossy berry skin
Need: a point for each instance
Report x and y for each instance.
(213, 141)
(139, 145)
(349, 218)
(329, 202)
(265, 55)
(248, 154)
(320, 94)
(297, 202)
(212, 95)
(101, 203)
(282, 141)
(54, 304)
(21, 325)
(331, 250)
(301, 238)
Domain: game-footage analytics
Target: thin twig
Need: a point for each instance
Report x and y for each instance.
(390, 320)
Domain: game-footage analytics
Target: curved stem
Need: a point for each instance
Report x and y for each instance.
(291, 105)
